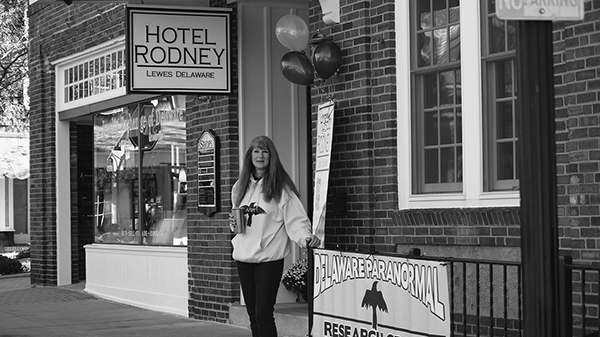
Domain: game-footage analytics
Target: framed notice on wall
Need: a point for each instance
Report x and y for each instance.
(208, 173)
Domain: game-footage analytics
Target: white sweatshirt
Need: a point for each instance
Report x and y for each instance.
(268, 236)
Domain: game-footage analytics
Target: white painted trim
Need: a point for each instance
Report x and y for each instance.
(63, 203)
(403, 94)
(3, 195)
(267, 66)
(472, 136)
(11, 205)
(241, 92)
(331, 11)
(104, 49)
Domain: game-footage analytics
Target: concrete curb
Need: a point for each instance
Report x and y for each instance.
(14, 275)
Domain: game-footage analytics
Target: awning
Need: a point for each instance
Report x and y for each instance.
(14, 156)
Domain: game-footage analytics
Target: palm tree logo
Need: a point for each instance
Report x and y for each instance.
(374, 298)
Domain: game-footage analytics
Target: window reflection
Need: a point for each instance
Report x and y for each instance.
(150, 134)
(438, 39)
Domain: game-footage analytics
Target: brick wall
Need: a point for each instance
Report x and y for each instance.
(363, 182)
(362, 200)
(213, 278)
(577, 104)
(495, 226)
(56, 31)
(362, 205)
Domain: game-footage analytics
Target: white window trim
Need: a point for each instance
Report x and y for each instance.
(86, 55)
(473, 194)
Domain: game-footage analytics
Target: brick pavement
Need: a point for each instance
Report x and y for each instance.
(68, 311)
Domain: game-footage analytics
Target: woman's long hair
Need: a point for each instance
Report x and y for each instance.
(275, 178)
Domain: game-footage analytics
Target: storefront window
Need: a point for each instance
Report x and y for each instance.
(141, 145)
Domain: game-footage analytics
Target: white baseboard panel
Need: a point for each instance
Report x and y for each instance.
(154, 278)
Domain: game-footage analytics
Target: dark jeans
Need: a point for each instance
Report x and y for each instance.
(260, 282)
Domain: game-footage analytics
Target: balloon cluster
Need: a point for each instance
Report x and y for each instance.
(296, 67)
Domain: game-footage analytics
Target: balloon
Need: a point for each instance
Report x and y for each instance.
(296, 68)
(327, 58)
(292, 32)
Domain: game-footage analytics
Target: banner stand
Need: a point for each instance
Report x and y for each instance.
(310, 289)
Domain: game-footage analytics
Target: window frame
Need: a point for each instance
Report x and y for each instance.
(490, 62)
(419, 75)
(421, 186)
(473, 193)
(115, 76)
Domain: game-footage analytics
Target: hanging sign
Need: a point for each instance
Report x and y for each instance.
(170, 49)
(149, 130)
(324, 137)
(556, 10)
(380, 296)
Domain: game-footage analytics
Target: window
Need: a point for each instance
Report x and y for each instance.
(500, 94)
(457, 120)
(438, 111)
(91, 76)
(139, 153)
(96, 76)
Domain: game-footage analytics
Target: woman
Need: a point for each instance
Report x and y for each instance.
(275, 218)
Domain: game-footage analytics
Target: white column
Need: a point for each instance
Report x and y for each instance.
(11, 205)
(63, 203)
(3, 210)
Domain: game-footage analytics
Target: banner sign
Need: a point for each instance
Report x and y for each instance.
(170, 49)
(378, 296)
(324, 137)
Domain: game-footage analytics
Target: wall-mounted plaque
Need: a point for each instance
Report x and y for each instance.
(208, 174)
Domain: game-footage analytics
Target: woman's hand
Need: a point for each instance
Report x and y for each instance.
(232, 223)
(312, 241)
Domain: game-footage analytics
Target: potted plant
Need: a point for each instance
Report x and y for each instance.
(295, 279)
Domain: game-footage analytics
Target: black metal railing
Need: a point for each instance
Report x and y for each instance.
(582, 303)
(485, 297)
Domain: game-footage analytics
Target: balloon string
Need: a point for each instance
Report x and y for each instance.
(328, 96)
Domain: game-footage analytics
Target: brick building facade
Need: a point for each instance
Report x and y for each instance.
(367, 208)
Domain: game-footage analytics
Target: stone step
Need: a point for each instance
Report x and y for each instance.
(291, 318)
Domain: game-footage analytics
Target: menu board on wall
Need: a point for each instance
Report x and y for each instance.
(208, 173)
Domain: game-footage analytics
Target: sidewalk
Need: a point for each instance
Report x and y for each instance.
(68, 311)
